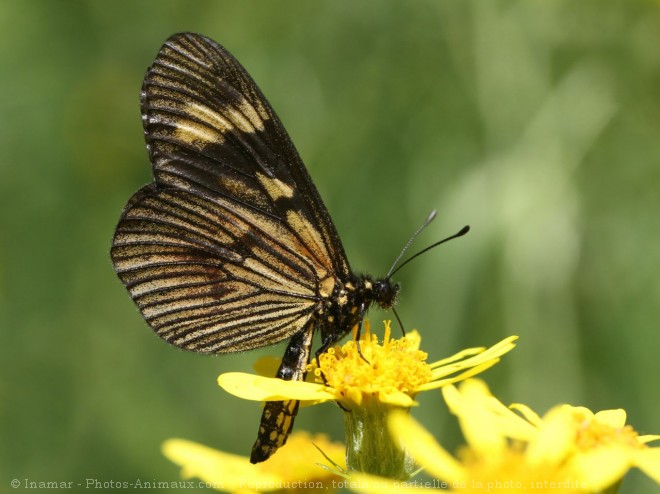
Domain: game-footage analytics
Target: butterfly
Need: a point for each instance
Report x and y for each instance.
(231, 248)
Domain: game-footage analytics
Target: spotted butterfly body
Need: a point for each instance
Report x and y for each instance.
(231, 247)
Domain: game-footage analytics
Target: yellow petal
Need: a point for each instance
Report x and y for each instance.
(647, 438)
(486, 358)
(479, 425)
(468, 352)
(414, 339)
(529, 414)
(452, 398)
(472, 370)
(300, 458)
(582, 414)
(352, 396)
(613, 418)
(226, 471)
(511, 424)
(648, 461)
(473, 356)
(258, 388)
(555, 438)
(502, 347)
(425, 449)
(503, 421)
(602, 467)
(396, 398)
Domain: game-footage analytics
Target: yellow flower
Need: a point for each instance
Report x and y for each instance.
(368, 383)
(394, 372)
(600, 445)
(568, 450)
(294, 469)
(488, 463)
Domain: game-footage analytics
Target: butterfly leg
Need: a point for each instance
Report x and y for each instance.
(330, 334)
(328, 340)
(363, 311)
(278, 416)
(403, 330)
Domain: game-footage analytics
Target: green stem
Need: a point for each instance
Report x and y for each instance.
(369, 446)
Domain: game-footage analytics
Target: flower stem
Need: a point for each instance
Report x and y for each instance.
(369, 445)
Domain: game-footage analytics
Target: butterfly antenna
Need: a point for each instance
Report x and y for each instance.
(431, 217)
(462, 232)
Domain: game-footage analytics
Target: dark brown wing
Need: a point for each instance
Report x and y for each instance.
(231, 248)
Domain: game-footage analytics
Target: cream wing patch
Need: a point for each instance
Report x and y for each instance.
(275, 188)
(214, 124)
(194, 133)
(244, 118)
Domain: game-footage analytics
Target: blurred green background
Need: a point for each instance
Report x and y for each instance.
(536, 123)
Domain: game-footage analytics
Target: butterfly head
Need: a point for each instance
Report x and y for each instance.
(385, 292)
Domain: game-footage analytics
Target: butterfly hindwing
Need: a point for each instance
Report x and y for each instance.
(207, 276)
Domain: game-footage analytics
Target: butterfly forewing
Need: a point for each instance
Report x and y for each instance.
(210, 130)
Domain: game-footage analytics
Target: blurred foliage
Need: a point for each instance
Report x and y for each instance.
(536, 123)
